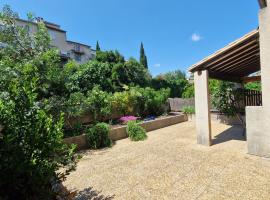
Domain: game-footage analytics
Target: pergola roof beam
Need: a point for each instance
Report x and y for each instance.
(227, 51)
(243, 49)
(255, 63)
(228, 64)
(224, 77)
(236, 64)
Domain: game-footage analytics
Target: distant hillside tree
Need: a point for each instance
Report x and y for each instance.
(143, 58)
(97, 47)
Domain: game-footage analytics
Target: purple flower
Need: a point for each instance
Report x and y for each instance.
(125, 119)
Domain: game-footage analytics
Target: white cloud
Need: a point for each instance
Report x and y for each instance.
(196, 37)
(157, 65)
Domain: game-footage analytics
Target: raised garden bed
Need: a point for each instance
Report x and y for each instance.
(119, 132)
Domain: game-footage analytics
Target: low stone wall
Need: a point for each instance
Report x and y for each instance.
(80, 141)
(119, 133)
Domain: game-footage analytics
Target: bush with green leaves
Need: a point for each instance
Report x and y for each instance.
(31, 142)
(229, 100)
(135, 132)
(140, 101)
(189, 110)
(175, 80)
(109, 71)
(254, 86)
(89, 75)
(152, 102)
(188, 91)
(76, 105)
(98, 103)
(98, 136)
(126, 102)
(128, 74)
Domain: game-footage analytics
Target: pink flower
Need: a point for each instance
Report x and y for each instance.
(125, 119)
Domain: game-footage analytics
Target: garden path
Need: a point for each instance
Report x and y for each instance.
(170, 165)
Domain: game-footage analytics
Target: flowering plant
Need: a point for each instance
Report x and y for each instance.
(126, 119)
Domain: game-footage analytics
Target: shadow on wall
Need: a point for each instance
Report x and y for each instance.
(91, 194)
(233, 133)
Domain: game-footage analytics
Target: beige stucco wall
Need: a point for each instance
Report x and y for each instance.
(258, 118)
(87, 54)
(59, 40)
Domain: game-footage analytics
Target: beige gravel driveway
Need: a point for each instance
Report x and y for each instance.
(170, 165)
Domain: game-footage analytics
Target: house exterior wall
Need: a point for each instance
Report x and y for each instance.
(258, 118)
(59, 40)
(84, 52)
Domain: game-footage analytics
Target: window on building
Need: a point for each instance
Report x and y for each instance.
(77, 57)
(52, 34)
(77, 47)
(27, 28)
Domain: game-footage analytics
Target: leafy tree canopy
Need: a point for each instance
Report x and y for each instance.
(31, 140)
(175, 80)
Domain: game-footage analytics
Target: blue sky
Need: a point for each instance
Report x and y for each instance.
(175, 33)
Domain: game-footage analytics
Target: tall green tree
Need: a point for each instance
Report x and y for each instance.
(143, 58)
(97, 47)
(31, 141)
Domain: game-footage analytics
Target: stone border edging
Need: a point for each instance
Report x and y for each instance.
(119, 133)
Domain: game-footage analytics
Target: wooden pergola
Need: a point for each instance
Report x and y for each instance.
(236, 62)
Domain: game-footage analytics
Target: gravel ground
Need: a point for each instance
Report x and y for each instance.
(170, 165)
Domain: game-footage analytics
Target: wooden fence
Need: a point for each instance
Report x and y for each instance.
(177, 104)
(252, 98)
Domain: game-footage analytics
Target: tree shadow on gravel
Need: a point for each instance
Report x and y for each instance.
(91, 194)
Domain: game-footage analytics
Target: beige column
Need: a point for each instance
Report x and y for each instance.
(202, 107)
(264, 30)
(258, 118)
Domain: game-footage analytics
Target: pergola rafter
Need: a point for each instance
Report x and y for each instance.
(235, 61)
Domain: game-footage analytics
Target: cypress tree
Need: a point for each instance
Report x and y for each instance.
(97, 47)
(143, 58)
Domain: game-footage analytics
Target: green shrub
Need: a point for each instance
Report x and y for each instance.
(135, 131)
(98, 104)
(152, 102)
(126, 102)
(175, 80)
(189, 110)
(32, 150)
(98, 136)
(188, 91)
(76, 105)
(75, 130)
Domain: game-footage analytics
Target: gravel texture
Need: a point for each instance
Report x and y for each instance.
(170, 165)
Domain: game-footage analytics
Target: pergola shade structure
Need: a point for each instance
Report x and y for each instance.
(235, 61)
